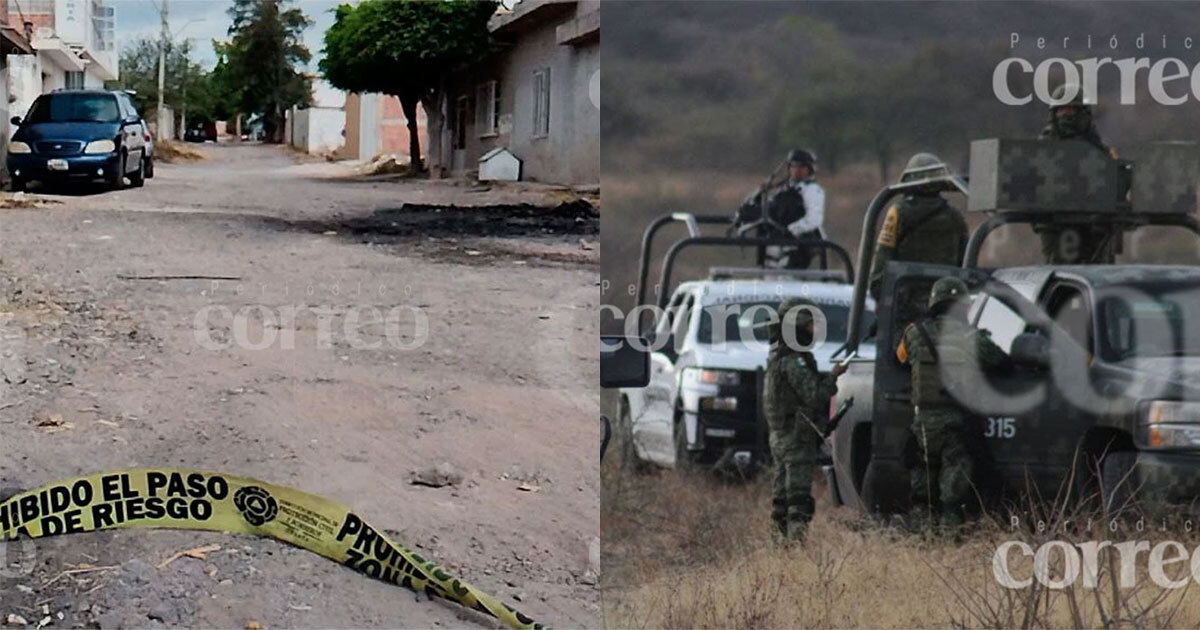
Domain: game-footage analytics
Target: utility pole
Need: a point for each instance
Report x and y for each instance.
(162, 64)
(183, 89)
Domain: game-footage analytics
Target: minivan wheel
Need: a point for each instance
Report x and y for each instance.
(138, 178)
(116, 180)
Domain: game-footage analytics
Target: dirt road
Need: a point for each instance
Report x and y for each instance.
(290, 374)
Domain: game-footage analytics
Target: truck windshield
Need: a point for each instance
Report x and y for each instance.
(745, 321)
(69, 107)
(1159, 321)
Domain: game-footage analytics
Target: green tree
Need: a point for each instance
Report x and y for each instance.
(403, 48)
(259, 63)
(139, 72)
(188, 86)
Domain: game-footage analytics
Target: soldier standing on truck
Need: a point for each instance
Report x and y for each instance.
(1075, 243)
(796, 402)
(920, 227)
(937, 347)
(799, 206)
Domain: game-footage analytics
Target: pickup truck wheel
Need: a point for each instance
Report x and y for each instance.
(684, 461)
(149, 168)
(1118, 483)
(629, 458)
(16, 185)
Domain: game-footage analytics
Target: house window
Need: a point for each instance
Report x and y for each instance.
(74, 80)
(541, 103)
(487, 109)
(460, 122)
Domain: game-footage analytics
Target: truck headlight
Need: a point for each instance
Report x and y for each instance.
(16, 146)
(1171, 412)
(711, 377)
(719, 403)
(1170, 424)
(100, 146)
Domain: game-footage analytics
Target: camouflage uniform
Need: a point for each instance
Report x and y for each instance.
(796, 403)
(941, 476)
(921, 227)
(1068, 243)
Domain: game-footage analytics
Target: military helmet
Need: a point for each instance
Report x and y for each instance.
(803, 157)
(1071, 125)
(923, 166)
(803, 316)
(946, 290)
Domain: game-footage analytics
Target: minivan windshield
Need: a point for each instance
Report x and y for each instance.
(68, 107)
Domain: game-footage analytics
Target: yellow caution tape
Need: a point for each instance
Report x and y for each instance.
(189, 499)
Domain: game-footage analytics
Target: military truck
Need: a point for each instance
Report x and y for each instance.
(1103, 402)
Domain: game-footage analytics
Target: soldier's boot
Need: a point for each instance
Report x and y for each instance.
(798, 517)
(922, 515)
(921, 519)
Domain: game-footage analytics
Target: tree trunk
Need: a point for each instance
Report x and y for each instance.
(273, 126)
(408, 104)
(435, 159)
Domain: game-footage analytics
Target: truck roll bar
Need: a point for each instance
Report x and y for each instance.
(1125, 222)
(692, 222)
(733, 241)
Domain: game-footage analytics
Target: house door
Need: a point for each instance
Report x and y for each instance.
(461, 119)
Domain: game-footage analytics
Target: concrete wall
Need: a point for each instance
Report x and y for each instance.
(316, 130)
(24, 84)
(571, 151)
(92, 82)
(375, 125)
(393, 127)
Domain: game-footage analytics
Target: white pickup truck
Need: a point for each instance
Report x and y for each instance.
(702, 406)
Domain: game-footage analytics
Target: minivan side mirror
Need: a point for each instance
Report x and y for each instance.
(1031, 350)
(16, 120)
(624, 361)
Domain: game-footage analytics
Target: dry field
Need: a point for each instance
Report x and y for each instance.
(686, 552)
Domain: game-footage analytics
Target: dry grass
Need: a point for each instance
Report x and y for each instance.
(684, 552)
(171, 152)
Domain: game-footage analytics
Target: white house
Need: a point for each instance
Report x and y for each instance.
(74, 43)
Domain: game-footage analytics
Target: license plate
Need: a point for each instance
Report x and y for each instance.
(56, 165)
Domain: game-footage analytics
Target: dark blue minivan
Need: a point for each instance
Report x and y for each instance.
(80, 135)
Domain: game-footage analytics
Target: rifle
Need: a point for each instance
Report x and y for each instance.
(837, 417)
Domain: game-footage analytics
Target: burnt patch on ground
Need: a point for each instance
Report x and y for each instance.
(573, 218)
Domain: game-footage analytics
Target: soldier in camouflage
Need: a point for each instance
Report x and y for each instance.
(920, 227)
(938, 347)
(796, 402)
(1072, 243)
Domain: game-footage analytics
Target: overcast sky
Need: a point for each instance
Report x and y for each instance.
(205, 20)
